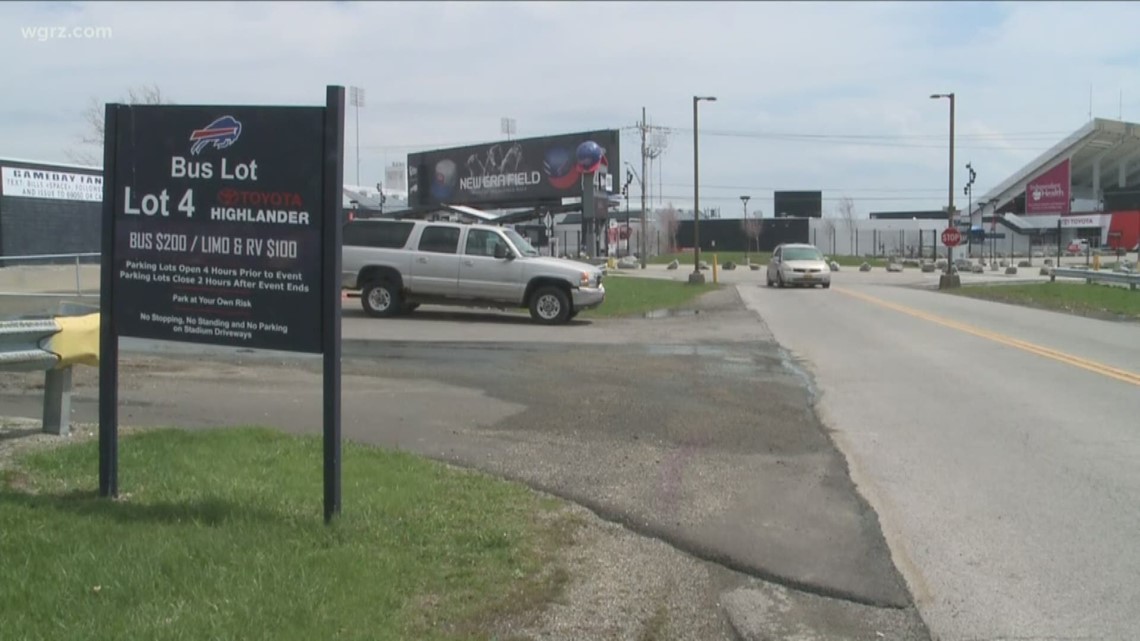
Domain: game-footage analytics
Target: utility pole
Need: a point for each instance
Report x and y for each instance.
(644, 214)
(969, 190)
(747, 230)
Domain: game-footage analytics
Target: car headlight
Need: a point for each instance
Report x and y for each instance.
(584, 281)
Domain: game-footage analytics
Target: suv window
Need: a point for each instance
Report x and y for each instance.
(440, 239)
(386, 234)
(482, 242)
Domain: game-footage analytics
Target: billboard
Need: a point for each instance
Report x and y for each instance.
(395, 177)
(522, 172)
(1049, 193)
(797, 204)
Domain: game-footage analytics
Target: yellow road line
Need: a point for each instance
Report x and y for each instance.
(1076, 361)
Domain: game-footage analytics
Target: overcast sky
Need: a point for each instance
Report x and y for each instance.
(830, 96)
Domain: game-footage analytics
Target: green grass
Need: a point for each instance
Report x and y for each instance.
(219, 535)
(634, 296)
(686, 258)
(855, 261)
(1075, 298)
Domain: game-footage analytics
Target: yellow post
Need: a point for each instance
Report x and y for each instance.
(716, 267)
(1096, 262)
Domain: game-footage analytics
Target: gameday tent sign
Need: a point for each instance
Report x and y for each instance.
(523, 172)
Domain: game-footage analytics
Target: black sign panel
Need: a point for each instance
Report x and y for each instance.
(798, 204)
(523, 172)
(217, 225)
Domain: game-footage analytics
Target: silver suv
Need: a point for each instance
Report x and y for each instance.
(399, 264)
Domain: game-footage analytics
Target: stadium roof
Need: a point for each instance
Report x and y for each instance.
(1104, 154)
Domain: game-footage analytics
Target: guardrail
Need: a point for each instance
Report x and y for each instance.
(54, 346)
(1097, 276)
(6, 261)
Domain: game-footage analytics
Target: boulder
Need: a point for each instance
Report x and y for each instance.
(865, 267)
(1011, 270)
(1023, 263)
(754, 267)
(1048, 262)
(941, 264)
(674, 265)
(704, 265)
(1004, 263)
(834, 266)
(928, 268)
(978, 269)
(628, 262)
(1046, 271)
(729, 266)
(894, 267)
(910, 262)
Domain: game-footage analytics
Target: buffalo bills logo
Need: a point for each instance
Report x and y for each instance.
(221, 133)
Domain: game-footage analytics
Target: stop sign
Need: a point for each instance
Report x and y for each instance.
(951, 237)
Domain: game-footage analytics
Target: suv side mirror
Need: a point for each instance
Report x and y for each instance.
(501, 251)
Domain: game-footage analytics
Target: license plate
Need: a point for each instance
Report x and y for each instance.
(808, 276)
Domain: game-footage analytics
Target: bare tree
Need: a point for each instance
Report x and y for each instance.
(752, 229)
(670, 223)
(847, 215)
(91, 141)
(828, 226)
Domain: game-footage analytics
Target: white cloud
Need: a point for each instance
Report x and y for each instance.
(446, 72)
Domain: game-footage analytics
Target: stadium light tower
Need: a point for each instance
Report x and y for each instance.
(948, 280)
(697, 277)
(356, 99)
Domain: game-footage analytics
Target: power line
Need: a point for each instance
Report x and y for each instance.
(1046, 135)
(938, 190)
(689, 197)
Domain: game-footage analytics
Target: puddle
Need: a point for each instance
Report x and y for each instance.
(672, 313)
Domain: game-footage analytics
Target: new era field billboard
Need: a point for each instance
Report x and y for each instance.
(524, 172)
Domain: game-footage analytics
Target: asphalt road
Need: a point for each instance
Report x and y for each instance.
(693, 429)
(997, 444)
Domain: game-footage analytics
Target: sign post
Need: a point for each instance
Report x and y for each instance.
(221, 226)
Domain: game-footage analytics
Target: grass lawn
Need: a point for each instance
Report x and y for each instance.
(633, 296)
(686, 258)
(1075, 298)
(219, 535)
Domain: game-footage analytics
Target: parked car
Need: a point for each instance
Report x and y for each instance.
(800, 265)
(397, 265)
(1078, 246)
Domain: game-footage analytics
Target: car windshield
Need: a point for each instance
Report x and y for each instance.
(802, 253)
(521, 243)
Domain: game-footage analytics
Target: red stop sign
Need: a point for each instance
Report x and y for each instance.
(951, 237)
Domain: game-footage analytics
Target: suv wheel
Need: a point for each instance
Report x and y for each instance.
(380, 299)
(550, 305)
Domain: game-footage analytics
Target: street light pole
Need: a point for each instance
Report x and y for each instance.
(697, 277)
(948, 280)
(747, 230)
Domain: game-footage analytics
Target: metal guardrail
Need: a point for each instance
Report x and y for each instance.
(1097, 276)
(6, 261)
(53, 346)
